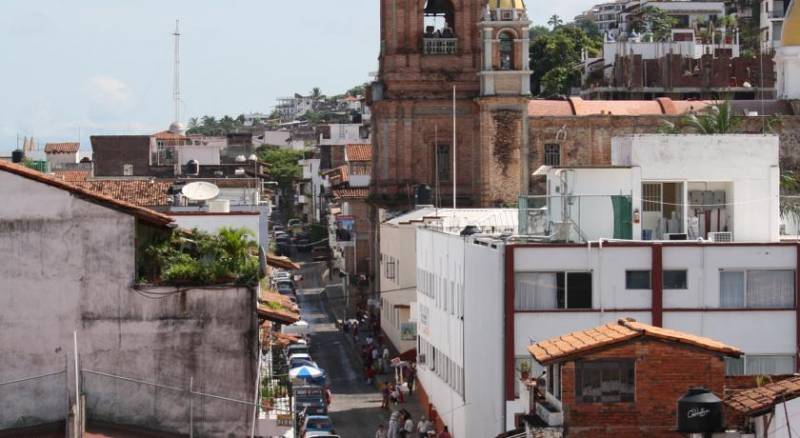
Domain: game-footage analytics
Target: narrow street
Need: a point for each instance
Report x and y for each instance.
(355, 408)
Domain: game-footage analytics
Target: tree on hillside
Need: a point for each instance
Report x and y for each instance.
(537, 30)
(654, 20)
(556, 59)
(555, 21)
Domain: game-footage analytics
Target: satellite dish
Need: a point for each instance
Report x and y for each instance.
(200, 191)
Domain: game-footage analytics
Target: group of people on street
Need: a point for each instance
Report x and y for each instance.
(401, 425)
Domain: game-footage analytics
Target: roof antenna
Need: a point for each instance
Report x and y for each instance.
(176, 86)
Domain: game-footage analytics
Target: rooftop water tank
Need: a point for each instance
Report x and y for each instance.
(700, 411)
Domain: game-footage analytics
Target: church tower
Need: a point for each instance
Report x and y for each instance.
(787, 58)
(505, 79)
(427, 48)
(505, 69)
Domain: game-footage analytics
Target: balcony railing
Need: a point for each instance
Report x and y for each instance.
(573, 218)
(440, 46)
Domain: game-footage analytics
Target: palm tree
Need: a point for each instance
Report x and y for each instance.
(555, 21)
(316, 93)
(715, 119)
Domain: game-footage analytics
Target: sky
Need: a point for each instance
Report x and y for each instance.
(89, 67)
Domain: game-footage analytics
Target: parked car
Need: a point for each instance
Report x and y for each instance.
(280, 274)
(278, 229)
(311, 399)
(297, 349)
(321, 434)
(300, 359)
(316, 423)
(285, 284)
(321, 253)
(284, 289)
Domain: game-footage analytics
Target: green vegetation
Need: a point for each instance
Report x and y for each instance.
(200, 258)
(556, 57)
(790, 206)
(209, 125)
(284, 169)
(714, 119)
(655, 21)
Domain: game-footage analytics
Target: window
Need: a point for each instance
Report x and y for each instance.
(651, 197)
(443, 161)
(552, 154)
(756, 289)
(760, 364)
(389, 268)
(605, 381)
(637, 279)
(553, 290)
(506, 51)
(675, 279)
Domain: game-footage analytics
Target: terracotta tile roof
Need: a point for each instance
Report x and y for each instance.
(61, 148)
(338, 175)
(166, 135)
(579, 343)
(359, 152)
(72, 175)
(282, 262)
(277, 308)
(358, 193)
(144, 193)
(756, 400)
(575, 106)
(142, 213)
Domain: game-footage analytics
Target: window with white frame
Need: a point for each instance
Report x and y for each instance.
(757, 289)
(553, 290)
(760, 364)
(552, 154)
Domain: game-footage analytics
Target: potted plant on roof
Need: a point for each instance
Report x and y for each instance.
(525, 370)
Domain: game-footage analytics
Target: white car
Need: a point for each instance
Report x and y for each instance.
(281, 276)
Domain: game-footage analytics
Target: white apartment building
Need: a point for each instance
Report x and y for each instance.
(773, 13)
(581, 260)
(398, 261)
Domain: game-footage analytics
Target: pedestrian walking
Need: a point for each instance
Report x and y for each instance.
(408, 427)
(393, 424)
(385, 357)
(412, 377)
(385, 394)
(422, 427)
(381, 432)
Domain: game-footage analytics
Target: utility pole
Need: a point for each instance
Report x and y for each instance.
(176, 90)
(455, 173)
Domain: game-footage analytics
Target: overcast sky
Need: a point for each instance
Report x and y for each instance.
(105, 67)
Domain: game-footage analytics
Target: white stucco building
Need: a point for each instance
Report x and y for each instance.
(566, 271)
(398, 261)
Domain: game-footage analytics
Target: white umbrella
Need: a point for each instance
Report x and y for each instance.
(305, 372)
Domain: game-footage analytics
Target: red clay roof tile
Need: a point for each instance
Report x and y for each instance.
(359, 152)
(61, 148)
(757, 400)
(578, 343)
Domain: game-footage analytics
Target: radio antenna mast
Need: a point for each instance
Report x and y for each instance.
(176, 91)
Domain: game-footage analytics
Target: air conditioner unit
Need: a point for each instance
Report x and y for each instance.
(721, 237)
(676, 236)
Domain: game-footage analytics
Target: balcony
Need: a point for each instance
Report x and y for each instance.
(440, 46)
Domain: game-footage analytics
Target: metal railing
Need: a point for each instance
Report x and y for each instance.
(575, 218)
(440, 46)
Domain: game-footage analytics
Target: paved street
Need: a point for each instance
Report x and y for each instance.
(355, 409)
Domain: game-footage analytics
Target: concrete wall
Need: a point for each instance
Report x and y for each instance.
(72, 270)
(777, 423)
(749, 162)
(397, 243)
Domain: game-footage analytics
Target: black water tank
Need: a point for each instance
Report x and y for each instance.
(423, 195)
(193, 167)
(17, 156)
(470, 230)
(700, 411)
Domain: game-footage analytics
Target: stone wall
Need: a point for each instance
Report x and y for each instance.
(70, 267)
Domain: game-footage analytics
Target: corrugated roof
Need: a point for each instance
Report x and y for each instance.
(757, 400)
(577, 344)
(144, 193)
(500, 218)
(357, 193)
(61, 148)
(142, 213)
(358, 152)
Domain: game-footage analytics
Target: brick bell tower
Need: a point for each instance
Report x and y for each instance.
(505, 79)
(427, 47)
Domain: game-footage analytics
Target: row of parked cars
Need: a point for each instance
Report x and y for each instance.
(311, 397)
(296, 236)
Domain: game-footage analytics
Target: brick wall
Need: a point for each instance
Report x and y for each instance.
(663, 372)
(111, 152)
